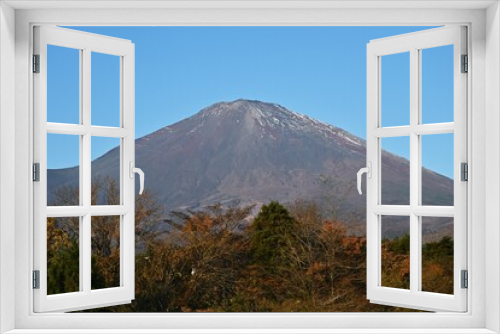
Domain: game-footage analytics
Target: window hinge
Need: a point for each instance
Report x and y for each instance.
(36, 279)
(465, 279)
(36, 63)
(465, 64)
(36, 172)
(464, 171)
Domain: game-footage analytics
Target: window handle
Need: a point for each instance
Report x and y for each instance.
(139, 171)
(368, 171)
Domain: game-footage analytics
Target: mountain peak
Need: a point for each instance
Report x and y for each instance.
(252, 118)
(270, 119)
(240, 102)
(240, 105)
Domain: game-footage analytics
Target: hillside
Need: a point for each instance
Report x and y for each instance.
(245, 152)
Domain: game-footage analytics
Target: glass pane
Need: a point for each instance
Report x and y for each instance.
(105, 171)
(63, 171)
(63, 255)
(63, 85)
(105, 252)
(437, 169)
(437, 84)
(105, 90)
(395, 170)
(395, 259)
(437, 254)
(395, 89)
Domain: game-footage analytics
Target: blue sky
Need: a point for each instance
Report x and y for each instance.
(318, 71)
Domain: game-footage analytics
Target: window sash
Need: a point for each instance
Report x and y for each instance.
(413, 43)
(86, 297)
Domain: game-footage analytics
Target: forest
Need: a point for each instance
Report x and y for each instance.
(288, 258)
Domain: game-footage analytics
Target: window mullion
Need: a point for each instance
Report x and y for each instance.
(85, 245)
(419, 134)
(81, 194)
(414, 170)
(406, 210)
(434, 129)
(122, 183)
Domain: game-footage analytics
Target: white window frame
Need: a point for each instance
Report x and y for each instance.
(414, 43)
(483, 21)
(86, 44)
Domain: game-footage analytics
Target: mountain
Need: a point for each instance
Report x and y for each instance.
(253, 152)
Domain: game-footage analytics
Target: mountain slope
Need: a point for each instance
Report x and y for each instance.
(254, 152)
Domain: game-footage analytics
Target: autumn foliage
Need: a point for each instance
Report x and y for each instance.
(285, 259)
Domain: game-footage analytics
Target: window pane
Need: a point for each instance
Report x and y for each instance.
(437, 84)
(105, 252)
(105, 171)
(63, 255)
(395, 169)
(63, 85)
(437, 169)
(437, 254)
(395, 260)
(395, 89)
(105, 90)
(63, 171)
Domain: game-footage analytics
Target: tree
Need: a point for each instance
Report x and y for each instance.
(336, 192)
(213, 249)
(271, 238)
(195, 265)
(62, 256)
(286, 259)
(395, 262)
(437, 266)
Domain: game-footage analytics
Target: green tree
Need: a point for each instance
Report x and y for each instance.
(400, 245)
(272, 236)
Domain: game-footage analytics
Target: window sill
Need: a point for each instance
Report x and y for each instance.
(252, 331)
